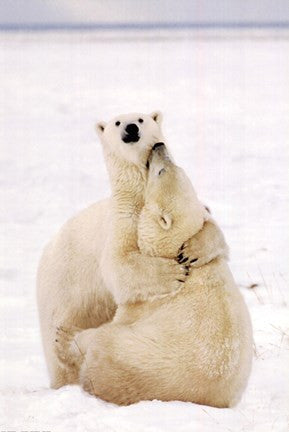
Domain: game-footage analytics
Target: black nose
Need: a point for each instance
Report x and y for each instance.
(131, 133)
(159, 144)
(132, 129)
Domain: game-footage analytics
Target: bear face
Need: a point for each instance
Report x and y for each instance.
(172, 212)
(131, 136)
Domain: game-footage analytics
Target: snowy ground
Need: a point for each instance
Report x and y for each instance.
(226, 118)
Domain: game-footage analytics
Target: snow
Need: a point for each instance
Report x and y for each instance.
(225, 104)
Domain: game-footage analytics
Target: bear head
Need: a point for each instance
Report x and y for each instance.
(172, 212)
(130, 137)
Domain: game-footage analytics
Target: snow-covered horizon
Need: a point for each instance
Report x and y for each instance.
(225, 105)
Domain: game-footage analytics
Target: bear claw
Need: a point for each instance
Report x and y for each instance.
(194, 260)
(183, 260)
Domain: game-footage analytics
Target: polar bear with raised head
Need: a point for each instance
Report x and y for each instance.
(193, 343)
(93, 263)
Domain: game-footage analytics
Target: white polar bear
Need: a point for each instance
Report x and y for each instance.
(193, 344)
(93, 262)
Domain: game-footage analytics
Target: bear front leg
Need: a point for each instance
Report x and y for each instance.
(208, 244)
(136, 277)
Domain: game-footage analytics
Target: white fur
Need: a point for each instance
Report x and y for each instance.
(95, 254)
(194, 345)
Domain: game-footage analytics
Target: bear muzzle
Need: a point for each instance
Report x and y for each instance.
(159, 159)
(131, 133)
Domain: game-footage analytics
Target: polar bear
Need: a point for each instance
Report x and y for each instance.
(192, 344)
(80, 273)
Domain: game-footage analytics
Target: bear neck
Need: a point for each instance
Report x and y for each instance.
(127, 184)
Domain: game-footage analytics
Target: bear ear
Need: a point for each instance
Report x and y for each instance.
(157, 116)
(100, 126)
(165, 220)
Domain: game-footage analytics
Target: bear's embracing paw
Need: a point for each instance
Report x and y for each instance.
(209, 243)
(185, 256)
(67, 349)
(188, 254)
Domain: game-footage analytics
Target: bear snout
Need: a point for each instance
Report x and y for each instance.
(158, 144)
(160, 152)
(131, 133)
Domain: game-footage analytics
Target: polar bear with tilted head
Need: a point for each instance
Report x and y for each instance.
(193, 343)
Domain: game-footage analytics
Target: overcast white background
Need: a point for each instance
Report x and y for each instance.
(136, 11)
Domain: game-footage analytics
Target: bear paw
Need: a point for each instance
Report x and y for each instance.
(187, 256)
(67, 349)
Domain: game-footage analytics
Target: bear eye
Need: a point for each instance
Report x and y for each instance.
(140, 120)
(117, 123)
